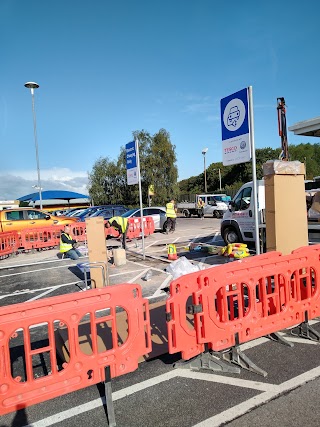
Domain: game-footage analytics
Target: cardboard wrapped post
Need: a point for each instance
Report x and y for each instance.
(97, 250)
(285, 212)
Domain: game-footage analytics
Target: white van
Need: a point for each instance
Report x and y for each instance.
(237, 224)
(214, 204)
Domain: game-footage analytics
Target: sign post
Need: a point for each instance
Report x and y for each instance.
(133, 177)
(238, 139)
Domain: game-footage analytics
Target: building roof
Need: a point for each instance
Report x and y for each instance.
(309, 127)
(53, 194)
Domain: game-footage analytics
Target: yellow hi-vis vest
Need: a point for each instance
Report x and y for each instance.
(200, 204)
(65, 247)
(121, 221)
(170, 212)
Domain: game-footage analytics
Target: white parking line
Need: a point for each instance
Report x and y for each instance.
(72, 412)
(160, 290)
(43, 294)
(270, 392)
(250, 404)
(237, 382)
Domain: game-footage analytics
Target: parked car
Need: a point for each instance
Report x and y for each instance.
(158, 213)
(22, 218)
(75, 211)
(81, 216)
(108, 213)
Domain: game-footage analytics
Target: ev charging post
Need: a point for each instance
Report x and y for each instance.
(238, 145)
(134, 177)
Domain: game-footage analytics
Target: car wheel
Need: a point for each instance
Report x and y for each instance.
(186, 214)
(164, 228)
(215, 214)
(230, 235)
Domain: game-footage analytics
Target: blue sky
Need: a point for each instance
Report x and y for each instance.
(108, 68)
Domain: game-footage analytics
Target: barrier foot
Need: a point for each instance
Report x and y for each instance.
(277, 337)
(236, 356)
(207, 361)
(304, 330)
(108, 395)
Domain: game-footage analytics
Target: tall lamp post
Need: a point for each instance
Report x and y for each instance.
(204, 152)
(32, 86)
(219, 178)
(219, 170)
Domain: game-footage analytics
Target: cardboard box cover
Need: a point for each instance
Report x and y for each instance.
(281, 167)
(286, 213)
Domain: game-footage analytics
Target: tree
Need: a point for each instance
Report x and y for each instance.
(108, 179)
(234, 176)
(105, 182)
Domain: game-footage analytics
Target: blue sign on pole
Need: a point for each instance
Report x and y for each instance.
(236, 146)
(131, 160)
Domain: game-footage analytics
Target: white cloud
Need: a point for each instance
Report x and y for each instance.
(19, 183)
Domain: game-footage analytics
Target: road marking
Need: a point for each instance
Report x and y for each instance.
(72, 412)
(164, 284)
(270, 392)
(43, 294)
(34, 271)
(48, 261)
(250, 404)
(32, 291)
(139, 275)
(255, 385)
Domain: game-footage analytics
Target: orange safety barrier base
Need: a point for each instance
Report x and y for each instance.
(9, 243)
(233, 303)
(82, 370)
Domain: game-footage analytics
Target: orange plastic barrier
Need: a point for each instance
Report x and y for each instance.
(133, 229)
(251, 298)
(34, 238)
(9, 243)
(78, 231)
(148, 224)
(82, 370)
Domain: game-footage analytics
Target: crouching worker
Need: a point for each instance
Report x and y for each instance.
(121, 224)
(67, 244)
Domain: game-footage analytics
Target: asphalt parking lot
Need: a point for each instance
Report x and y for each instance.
(157, 394)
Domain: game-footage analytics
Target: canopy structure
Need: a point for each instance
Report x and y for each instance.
(309, 127)
(55, 196)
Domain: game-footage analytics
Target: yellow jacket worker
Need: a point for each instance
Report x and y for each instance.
(67, 244)
(171, 213)
(121, 224)
(201, 208)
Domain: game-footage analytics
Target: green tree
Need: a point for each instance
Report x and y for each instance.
(105, 182)
(108, 180)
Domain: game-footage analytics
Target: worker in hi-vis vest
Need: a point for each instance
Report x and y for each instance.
(201, 207)
(67, 244)
(121, 224)
(171, 213)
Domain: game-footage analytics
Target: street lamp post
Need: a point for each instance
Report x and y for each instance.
(204, 152)
(220, 178)
(219, 170)
(32, 86)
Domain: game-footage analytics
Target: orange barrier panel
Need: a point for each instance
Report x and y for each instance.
(82, 370)
(34, 238)
(181, 332)
(149, 225)
(251, 298)
(78, 231)
(9, 243)
(133, 229)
